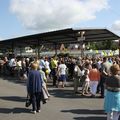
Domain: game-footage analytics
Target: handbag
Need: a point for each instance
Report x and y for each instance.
(28, 101)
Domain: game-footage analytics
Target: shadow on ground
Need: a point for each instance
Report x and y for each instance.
(84, 111)
(14, 110)
(62, 93)
(90, 118)
(13, 98)
(90, 114)
(67, 93)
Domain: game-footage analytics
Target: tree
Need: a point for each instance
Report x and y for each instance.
(103, 45)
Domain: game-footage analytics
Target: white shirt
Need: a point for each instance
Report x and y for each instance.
(12, 62)
(62, 69)
(47, 65)
(77, 70)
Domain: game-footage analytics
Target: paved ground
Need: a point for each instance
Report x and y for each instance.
(63, 104)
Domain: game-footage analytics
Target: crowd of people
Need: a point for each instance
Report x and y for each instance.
(93, 75)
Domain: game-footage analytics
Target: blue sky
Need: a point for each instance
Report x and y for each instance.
(25, 17)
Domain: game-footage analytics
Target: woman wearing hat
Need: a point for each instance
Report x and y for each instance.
(112, 96)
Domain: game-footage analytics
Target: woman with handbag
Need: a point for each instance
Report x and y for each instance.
(34, 87)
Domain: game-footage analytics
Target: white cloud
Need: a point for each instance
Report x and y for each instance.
(116, 25)
(1, 39)
(55, 14)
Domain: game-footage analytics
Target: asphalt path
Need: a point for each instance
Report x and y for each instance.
(63, 104)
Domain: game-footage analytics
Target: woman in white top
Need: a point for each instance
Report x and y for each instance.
(47, 67)
(62, 74)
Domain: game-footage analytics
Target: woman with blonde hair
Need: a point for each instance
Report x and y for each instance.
(112, 95)
(34, 87)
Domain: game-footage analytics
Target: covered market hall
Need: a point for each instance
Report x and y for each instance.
(55, 38)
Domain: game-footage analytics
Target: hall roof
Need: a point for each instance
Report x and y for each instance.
(68, 36)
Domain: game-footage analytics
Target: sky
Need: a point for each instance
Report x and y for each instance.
(26, 17)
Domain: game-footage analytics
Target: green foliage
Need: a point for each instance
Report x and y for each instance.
(103, 45)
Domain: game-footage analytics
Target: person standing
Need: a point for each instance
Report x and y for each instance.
(77, 76)
(62, 74)
(94, 76)
(112, 94)
(47, 68)
(85, 85)
(105, 72)
(34, 87)
(54, 65)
